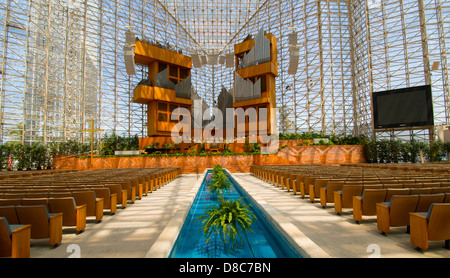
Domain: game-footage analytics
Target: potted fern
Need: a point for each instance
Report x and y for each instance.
(446, 149)
(19, 153)
(414, 150)
(371, 151)
(37, 155)
(395, 149)
(405, 152)
(219, 183)
(229, 219)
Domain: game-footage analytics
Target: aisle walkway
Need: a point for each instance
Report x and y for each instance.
(149, 227)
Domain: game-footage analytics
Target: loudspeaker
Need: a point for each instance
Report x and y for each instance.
(212, 59)
(221, 59)
(443, 133)
(204, 59)
(130, 37)
(293, 60)
(293, 65)
(292, 39)
(196, 60)
(230, 60)
(293, 53)
(435, 65)
(128, 54)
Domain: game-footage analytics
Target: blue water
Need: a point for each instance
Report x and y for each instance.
(266, 241)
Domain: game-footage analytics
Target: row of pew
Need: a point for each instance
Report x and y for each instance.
(430, 167)
(40, 206)
(29, 173)
(395, 196)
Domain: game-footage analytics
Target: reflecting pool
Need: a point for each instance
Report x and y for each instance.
(266, 240)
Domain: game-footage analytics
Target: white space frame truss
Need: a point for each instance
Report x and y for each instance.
(61, 61)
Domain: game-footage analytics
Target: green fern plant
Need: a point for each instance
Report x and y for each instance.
(219, 182)
(229, 219)
(216, 169)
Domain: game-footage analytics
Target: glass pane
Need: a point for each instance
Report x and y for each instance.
(162, 67)
(162, 117)
(184, 73)
(162, 106)
(172, 107)
(263, 84)
(173, 71)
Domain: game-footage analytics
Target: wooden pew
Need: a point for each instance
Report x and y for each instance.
(14, 240)
(44, 224)
(430, 226)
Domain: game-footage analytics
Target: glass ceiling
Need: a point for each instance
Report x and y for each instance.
(62, 64)
(212, 24)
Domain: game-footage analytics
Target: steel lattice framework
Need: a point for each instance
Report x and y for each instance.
(61, 61)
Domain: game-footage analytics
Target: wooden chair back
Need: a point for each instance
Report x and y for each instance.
(35, 202)
(10, 202)
(396, 191)
(88, 198)
(37, 217)
(425, 190)
(65, 205)
(348, 191)
(9, 212)
(5, 238)
(331, 188)
(370, 198)
(425, 201)
(104, 193)
(400, 207)
(438, 225)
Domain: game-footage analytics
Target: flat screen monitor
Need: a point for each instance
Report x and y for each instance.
(401, 108)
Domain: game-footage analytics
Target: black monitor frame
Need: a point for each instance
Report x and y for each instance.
(429, 104)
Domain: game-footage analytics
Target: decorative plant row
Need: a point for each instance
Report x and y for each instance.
(388, 151)
(333, 139)
(228, 219)
(37, 155)
(171, 148)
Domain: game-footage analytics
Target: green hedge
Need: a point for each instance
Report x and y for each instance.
(37, 155)
(333, 139)
(387, 151)
(172, 154)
